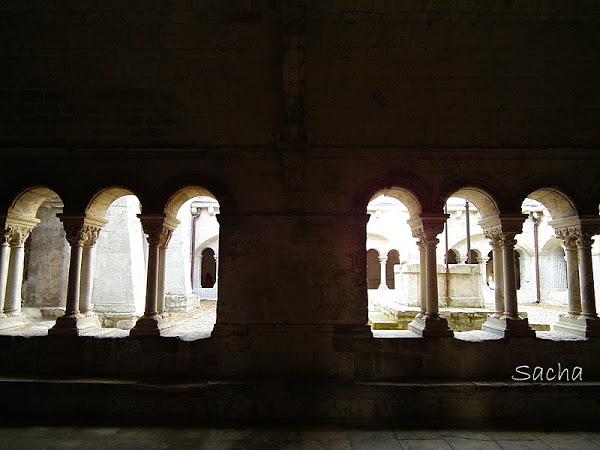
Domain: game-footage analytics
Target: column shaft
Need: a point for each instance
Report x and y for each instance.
(87, 279)
(423, 276)
(498, 280)
(72, 307)
(573, 289)
(160, 294)
(4, 256)
(510, 285)
(382, 275)
(12, 301)
(586, 278)
(152, 280)
(431, 278)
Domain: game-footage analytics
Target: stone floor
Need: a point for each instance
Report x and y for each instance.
(199, 324)
(117, 438)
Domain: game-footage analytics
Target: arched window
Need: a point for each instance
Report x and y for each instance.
(451, 257)
(209, 268)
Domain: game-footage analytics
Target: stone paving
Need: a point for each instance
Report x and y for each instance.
(199, 324)
(298, 437)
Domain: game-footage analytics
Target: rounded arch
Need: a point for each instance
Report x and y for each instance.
(415, 190)
(393, 259)
(27, 203)
(452, 256)
(101, 201)
(406, 197)
(183, 195)
(482, 199)
(558, 203)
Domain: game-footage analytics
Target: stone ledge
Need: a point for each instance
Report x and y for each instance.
(469, 404)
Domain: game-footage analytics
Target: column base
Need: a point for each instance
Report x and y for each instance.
(508, 327)
(14, 320)
(428, 326)
(582, 326)
(74, 325)
(149, 326)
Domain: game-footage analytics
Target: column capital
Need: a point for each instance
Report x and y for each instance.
(382, 259)
(427, 226)
(576, 230)
(494, 235)
(81, 230)
(159, 228)
(17, 234)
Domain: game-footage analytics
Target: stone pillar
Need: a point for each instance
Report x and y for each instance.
(382, 272)
(216, 285)
(509, 324)
(78, 233)
(159, 229)
(576, 234)
(430, 324)
(586, 275)
(4, 258)
(422, 278)
(12, 301)
(497, 261)
(88, 264)
(160, 291)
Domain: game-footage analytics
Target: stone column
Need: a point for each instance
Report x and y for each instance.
(87, 271)
(4, 257)
(160, 291)
(382, 272)
(497, 261)
(162, 258)
(573, 290)
(431, 324)
(510, 283)
(509, 324)
(17, 237)
(422, 278)
(72, 323)
(159, 229)
(576, 233)
(216, 285)
(586, 276)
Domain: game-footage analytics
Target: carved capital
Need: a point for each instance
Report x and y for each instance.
(75, 233)
(494, 235)
(585, 240)
(508, 239)
(569, 237)
(427, 227)
(159, 228)
(383, 259)
(92, 233)
(17, 234)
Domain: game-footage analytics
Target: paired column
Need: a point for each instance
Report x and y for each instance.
(17, 235)
(78, 233)
(576, 234)
(506, 320)
(159, 230)
(586, 275)
(4, 257)
(429, 323)
(382, 272)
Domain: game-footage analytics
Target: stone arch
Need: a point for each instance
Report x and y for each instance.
(27, 203)
(183, 195)
(452, 256)
(482, 199)
(405, 196)
(101, 201)
(559, 204)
